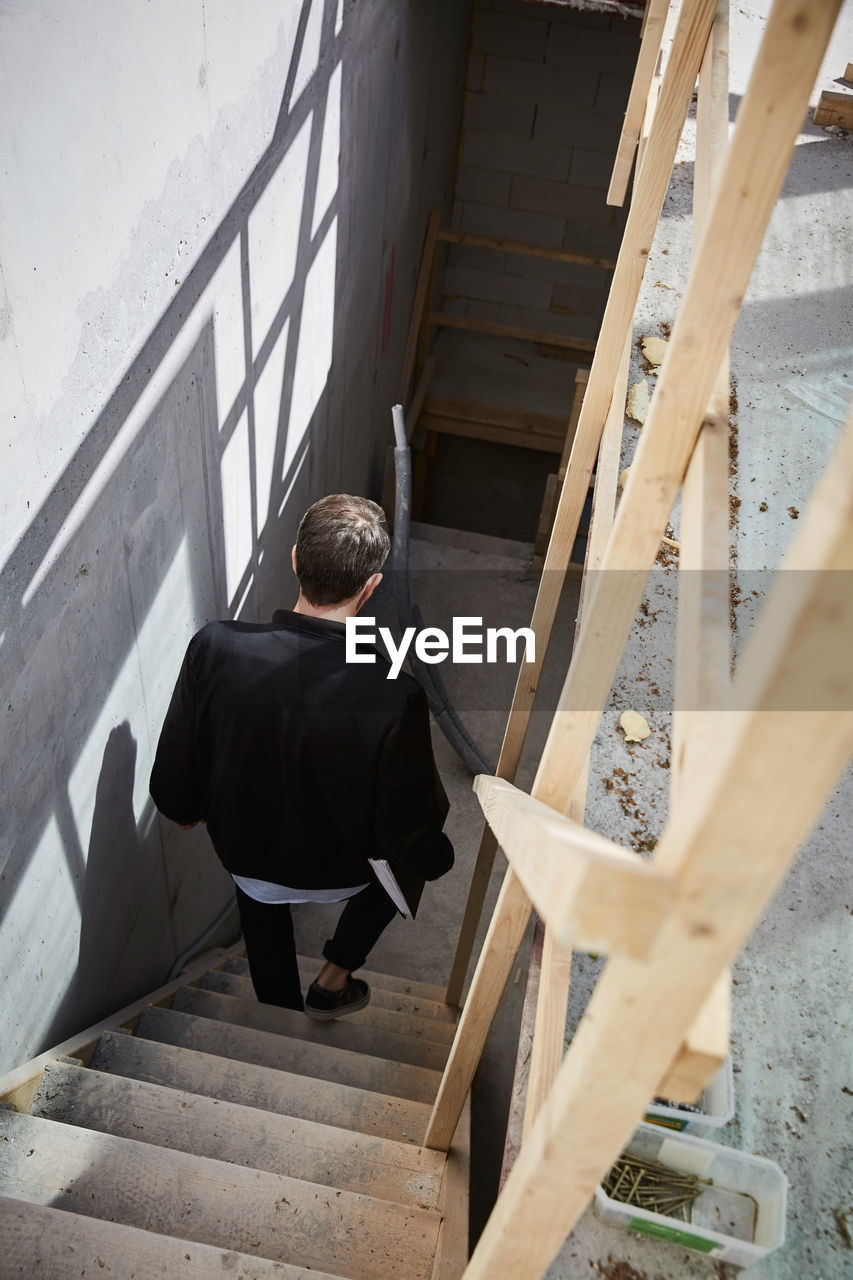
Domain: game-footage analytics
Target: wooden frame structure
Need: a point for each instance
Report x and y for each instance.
(428, 416)
(727, 842)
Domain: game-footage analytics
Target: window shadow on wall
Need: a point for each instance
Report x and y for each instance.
(174, 509)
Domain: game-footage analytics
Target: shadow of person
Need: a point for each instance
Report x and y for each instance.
(124, 947)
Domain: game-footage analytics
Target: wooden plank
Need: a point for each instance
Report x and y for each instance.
(266, 1049)
(581, 380)
(703, 637)
(704, 1049)
(653, 26)
(212, 1202)
(265, 1088)
(756, 163)
(439, 319)
(835, 109)
(500, 948)
(18, 1086)
(546, 519)
(768, 772)
(419, 306)
(414, 410)
(522, 247)
(342, 1033)
(39, 1241)
(374, 1016)
(586, 888)
(498, 415)
(183, 1121)
(451, 1254)
(523, 439)
(552, 998)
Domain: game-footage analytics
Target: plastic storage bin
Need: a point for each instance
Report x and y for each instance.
(740, 1219)
(717, 1103)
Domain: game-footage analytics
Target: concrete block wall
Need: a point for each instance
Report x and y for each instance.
(545, 97)
(208, 247)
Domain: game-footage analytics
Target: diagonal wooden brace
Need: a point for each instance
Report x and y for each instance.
(590, 891)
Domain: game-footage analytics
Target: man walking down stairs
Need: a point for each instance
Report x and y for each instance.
(214, 1129)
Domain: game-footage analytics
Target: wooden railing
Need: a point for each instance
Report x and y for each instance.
(670, 925)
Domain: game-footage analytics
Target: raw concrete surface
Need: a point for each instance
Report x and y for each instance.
(212, 223)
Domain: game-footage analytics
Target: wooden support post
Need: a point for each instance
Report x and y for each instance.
(757, 159)
(552, 997)
(729, 848)
(704, 635)
(546, 1049)
(653, 25)
(543, 336)
(689, 43)
(420, 307)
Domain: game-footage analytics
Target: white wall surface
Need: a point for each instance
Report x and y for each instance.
(204, 207)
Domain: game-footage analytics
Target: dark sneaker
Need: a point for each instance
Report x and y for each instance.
(323, 1004)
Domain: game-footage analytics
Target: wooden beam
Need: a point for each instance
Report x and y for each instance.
(834, 108)
(654, 21)
(520, 246)
(704, 633)
(511, 331)
(768, 124)
(497, 415)
(767, 776)
(581, 380)
(552, 996)
(586, 888)
(650, 189)
(419, 307)
(491, 433)
(703, 638)
(704, 1049)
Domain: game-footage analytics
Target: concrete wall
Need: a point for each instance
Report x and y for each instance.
(209, 238)
(545, 98)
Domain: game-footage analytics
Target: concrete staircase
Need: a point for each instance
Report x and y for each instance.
(201, 1134)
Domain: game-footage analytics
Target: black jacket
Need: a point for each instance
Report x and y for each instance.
(301, 764)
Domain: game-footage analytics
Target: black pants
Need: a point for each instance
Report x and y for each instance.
(271, 950)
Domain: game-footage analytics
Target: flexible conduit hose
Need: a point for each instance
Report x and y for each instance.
(408, 614)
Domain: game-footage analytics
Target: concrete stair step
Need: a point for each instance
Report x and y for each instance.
(343, 1033)
(261, 1087)
(381, 997)
(52, 1243)
(302, 1057)
(375, 1017)
(184, 1121)
(309, 968)
(199, 1199)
